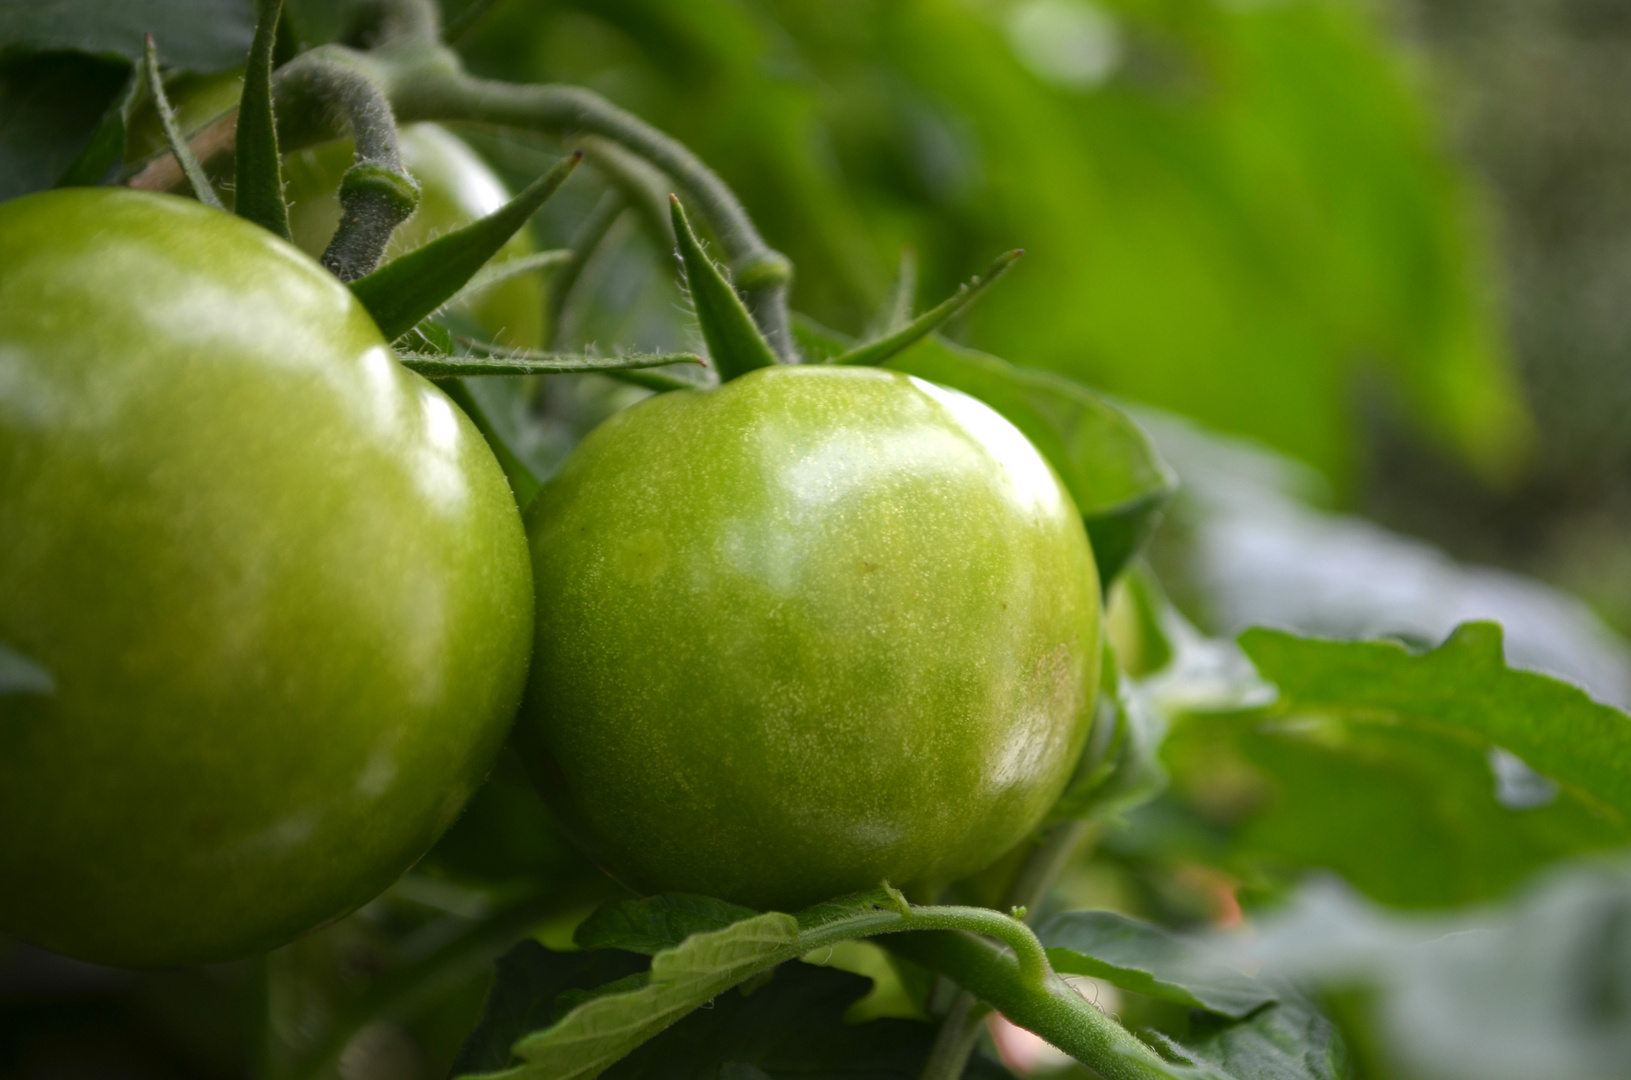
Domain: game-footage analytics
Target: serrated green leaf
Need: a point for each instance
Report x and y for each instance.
(1150, 960)
(258, 194)
(104, 154)
(407, 289)
(199, 35)
(734, 341)
(792, 1028)
(596, 1034)
(1397, 770)
(655, 923)
(19, 675)
(1107, 463)
(51, 106)
(529, 980)
(904, 337)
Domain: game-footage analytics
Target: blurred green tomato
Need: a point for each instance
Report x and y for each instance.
(278, 585)
(456, 188)
(812, 629)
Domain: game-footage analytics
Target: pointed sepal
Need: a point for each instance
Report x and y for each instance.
(259, 191)
(876, 352)
(734, 342)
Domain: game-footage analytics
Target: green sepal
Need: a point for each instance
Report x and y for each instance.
(733, 340)
(524, 483)
(876, 352)
(203, 190)
(406, 290)
(259, 191)
(100, 161)
(523, 362)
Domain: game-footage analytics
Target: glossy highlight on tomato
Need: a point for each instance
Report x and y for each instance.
(278, 583)
(812, 629)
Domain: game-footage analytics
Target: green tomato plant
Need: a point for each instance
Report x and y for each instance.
(827, 656)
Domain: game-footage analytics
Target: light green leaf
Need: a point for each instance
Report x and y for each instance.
(599, 1032)
(1425, 780)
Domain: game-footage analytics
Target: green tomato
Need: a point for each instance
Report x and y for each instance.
(455, 188)
(810, 630)
(278, 581)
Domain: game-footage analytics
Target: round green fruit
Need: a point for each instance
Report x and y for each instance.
(273, 588)
(812, 629)
(455, 188)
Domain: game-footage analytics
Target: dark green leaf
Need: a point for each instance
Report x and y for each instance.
(734, 342)
(523, 999)
(792, 1028)
(259, 191)
(876, 352)
(199, 35)
(1147, 959)
(104, 154)
(656, 923)
(408, 289)
(20, 675)
(1118, 481)
(1413, 776)
(51, 107)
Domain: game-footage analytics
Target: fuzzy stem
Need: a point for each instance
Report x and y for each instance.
(378, 193)
(762, 274)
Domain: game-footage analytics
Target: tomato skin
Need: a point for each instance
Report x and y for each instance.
(455, 188)
(810, 630)
(279, 581)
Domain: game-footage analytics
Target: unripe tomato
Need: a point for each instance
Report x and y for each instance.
(279, 584)
(815, 628)
(455, 188)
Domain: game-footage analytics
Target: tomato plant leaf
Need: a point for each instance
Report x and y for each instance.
(407, 289)
(51, 108)
(19, 675)
(198, 35)
(915, 330)
(104, 154)
(529, 981)
(655, 923)
(1106, 461)
(1290, 1039)
(792, 1027)
(597, 1033)
(1150, 960)
(734, 341)
(259, 189)
(1424, 779)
